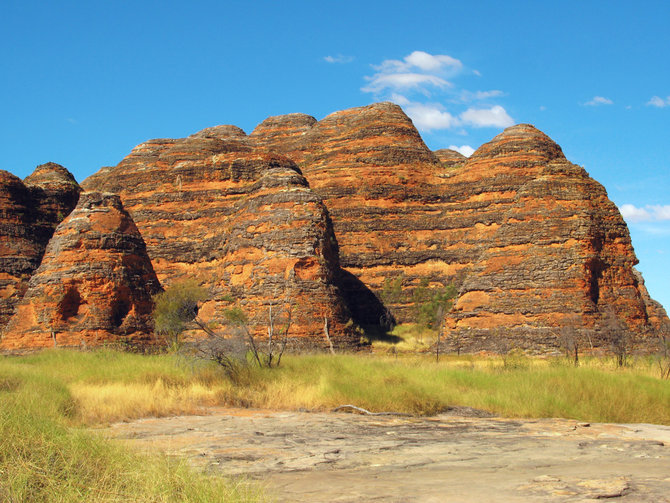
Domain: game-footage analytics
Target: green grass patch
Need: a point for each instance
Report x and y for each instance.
(46, 457)
(47, 400)
(527, 388)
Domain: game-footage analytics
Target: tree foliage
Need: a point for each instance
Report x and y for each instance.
(176, 308)
(431, 304)
(233, 345)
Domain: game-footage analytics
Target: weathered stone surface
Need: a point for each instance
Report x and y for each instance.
(450, 158)
(383, 189)
(533, 243)
(242, 221)
(29, 213)
(308, 457)
(560, 256)
(658, 317)
(94, 285)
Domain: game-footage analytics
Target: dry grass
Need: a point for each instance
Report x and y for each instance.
(45, 457)
(109, 402)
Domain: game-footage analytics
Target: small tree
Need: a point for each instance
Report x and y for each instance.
(431, 304)
(176, 310)
(617, 335)
(570, 337)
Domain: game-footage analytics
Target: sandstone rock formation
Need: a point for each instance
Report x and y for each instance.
(560, 255)
(244, 223)
(450, 158)
(382, 187)
(94, 285)
(533, 243)
(29, 213)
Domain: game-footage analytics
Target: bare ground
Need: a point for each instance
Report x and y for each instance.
(342, 457)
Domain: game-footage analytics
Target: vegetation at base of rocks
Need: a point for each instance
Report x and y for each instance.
(428, 303)
(108, 386)
(431, 304)
(45, 456)
(176, 310)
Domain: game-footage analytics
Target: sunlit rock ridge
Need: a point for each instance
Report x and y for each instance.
(341, 220)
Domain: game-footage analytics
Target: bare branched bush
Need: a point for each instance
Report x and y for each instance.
(663, 353)
(617, 335)
(231, 346)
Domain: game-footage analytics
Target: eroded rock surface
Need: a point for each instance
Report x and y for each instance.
(532, 242)
(242, 221)
(560, 255)
(383, 188)
(94, 285)
(320, 457)
(30, 210)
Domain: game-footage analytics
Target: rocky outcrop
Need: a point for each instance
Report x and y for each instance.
(94, 285)
(560, 256)
(533, 245)
(383, 189)
(30, 210)
(242, 221)
(532, 242)
(450, 158)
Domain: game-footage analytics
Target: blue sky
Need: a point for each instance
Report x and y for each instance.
(82, 82)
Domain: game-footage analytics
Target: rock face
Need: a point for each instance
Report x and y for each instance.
(560, 256)
(538, 253)
(531, 241)
(383, 187)
(242, 221)
(94, 285)
(450, 158)
(30, 210)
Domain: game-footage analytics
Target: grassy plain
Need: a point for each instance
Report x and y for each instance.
(47, 456)
(47, 400)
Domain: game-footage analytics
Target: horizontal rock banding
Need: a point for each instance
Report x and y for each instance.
(533, 244)
(94, 286)
(244, 223)
(382, 186)
(530, 239)
(30, 210)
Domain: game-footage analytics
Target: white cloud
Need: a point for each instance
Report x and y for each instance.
(401, 81)
(598, 100)
(420, 61)
(650, 213)
(338, 59)
(430, 63)
(427, 117)
(659, 102)
(420, 81)
(467, 96)
(496, 116)
(399, 99)
(466, 150)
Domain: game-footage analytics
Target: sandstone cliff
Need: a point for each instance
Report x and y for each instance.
(244, 223)
(383, 189)
(560, 255)
(94, 285)
(532, 242)
(30, 210)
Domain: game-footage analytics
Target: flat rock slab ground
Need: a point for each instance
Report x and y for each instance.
(343, 457)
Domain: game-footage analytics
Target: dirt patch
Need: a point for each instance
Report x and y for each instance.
(314, 457)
